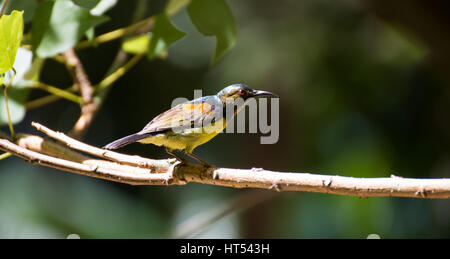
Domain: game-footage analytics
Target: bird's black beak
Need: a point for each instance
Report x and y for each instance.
(262, 93)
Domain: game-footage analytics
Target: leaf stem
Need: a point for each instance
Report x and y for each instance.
(41, 101)
(58, 92)
(36, 103)
(114, 76)
(113, 35)
(5, 90)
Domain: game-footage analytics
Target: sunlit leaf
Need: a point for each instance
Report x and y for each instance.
(59, 25)
(214, 18)
(137, 45)
(11, 30)
(163, 35)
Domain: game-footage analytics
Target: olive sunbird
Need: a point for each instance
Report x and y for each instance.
(192, 123)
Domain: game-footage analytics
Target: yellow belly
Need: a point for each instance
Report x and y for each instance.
(188, 139)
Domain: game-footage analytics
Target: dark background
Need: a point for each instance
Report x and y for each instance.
(364, 92)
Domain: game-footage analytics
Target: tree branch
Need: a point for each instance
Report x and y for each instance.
(83, 169)
(165, 172)
(103, 153)
(56, 150)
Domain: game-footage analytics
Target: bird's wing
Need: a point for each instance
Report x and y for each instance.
(191, 114)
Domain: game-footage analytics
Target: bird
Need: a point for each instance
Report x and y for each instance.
(192, 123)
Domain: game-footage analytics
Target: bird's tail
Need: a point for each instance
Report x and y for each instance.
(125, 141)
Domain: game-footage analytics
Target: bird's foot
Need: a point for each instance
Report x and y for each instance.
(183, 161)
(186, 162)
(206, 164)
(201, 161)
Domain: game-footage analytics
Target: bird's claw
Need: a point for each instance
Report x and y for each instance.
(207, 165)
(185, 162)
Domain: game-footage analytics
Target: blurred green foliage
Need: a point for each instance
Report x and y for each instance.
(358, 96)
(59, 25)
(214, 18)
(164, 34)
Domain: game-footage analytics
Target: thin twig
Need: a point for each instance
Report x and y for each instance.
(33, 104)
(88, 108)
(88, 112)
(177, 174)
(79, 75)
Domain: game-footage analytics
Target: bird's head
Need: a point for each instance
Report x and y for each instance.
(233, 92)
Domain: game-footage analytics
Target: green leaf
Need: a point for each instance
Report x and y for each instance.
(95, 7)
(11, 30)
(2, 79)
(137, 45)
(59, 25)
(163, 35)
(214, 18)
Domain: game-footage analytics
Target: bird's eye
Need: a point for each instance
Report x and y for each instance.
(241, 92)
